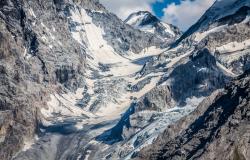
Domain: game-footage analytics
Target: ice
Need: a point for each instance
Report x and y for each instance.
(204, 69)
(124, 68)
(169, 116)
(98, 47)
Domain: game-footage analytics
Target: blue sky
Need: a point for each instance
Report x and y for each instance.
(158, 7)
(182, 13)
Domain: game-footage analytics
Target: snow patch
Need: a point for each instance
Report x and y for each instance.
(223, 68)
(233, 47)
(29, 142)
(136, 20)
(175, 60)
(32, 12)
(204, 69)
(168, 29)
(199, 36)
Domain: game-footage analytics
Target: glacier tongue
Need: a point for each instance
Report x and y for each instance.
(106, 94)
(111, 85)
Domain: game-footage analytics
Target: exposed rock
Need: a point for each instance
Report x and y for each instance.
(217, 129)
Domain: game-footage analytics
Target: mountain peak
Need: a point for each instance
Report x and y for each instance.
(141, 18)
(147, 22)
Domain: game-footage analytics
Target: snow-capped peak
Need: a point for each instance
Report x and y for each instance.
(141, 18)
(147, 22)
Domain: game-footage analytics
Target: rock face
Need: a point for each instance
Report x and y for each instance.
(33, 63)
(145, 21)
(217, 129)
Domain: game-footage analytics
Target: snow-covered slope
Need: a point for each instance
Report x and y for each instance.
(110, 68)
(145, 21)
(224, 29)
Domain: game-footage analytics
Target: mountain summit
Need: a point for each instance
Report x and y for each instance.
(147, 22)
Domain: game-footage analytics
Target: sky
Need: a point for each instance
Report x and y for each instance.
(182, 13)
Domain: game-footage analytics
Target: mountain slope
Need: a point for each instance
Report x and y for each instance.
(191, 69)
(217, 129)
(216, 30)
(78, 83)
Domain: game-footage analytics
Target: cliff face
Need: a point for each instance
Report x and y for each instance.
(35, 61)
(217, 129)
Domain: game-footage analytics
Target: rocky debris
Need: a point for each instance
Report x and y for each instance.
(217, 129)
(204, 78)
